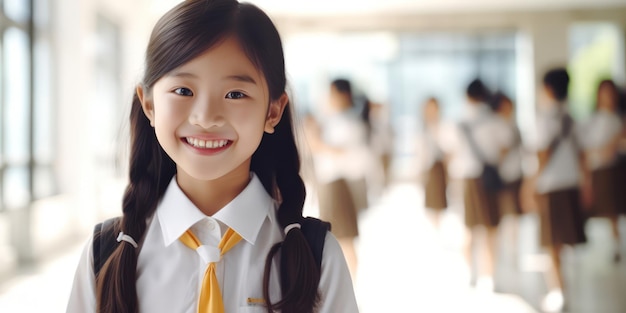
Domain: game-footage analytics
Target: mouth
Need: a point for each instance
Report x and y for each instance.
(207, 144)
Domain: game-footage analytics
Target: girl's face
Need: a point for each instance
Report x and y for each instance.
(607, 98)
(431, 112)
(506, 110)
(210, 113)
(338, 101)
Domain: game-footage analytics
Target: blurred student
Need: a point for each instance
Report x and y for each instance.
(511, 166)
(600, 135)
(621, 163)
(432, 162)
(340, 156)
(476, 147)
(562, 171)
(380, 141)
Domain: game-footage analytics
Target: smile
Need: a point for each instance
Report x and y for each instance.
(206, 144)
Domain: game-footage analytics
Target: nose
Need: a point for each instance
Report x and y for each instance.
(207, 112)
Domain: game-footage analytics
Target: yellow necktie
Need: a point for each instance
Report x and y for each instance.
(210, 296)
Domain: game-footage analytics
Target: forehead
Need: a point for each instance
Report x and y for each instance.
(225, 58)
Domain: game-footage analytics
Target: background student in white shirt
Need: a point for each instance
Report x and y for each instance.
(600, 135)
(490, 136)
(213, 156)
(432, 161)
(341, 161)
(621, 149)
(562, 171)
(511, 171)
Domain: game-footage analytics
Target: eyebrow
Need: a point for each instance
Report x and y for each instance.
(242, 78)
(183, 74)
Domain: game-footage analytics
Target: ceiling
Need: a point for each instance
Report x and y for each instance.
(356, 7)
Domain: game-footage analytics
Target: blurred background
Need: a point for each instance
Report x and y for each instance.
(68, 69)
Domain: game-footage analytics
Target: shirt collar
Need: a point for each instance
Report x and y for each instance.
(245, 214)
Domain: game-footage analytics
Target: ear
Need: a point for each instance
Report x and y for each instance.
(146, 104)
(275, 113)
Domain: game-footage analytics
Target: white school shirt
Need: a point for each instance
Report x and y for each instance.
(511, 167)
(345, 131)
(596, 132)
(169, 274)
(562, 171)
(491, 134)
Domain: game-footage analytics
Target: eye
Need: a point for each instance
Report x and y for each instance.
(235, 95)
(183, 92)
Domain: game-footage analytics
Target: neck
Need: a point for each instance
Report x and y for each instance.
(210, 196)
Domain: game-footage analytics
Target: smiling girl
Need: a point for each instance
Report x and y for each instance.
(212, 215)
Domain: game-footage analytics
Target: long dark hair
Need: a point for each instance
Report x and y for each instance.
(180, 35)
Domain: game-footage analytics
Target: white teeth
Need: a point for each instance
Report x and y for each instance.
(209, 144)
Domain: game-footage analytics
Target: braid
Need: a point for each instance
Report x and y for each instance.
(299, 275)
(150, 172)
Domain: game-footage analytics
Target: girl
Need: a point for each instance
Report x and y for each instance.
(433, 161)
(562, 172)
(339, 147)
(479, 141)
(511, 167)
(600, 136)
(214, 189)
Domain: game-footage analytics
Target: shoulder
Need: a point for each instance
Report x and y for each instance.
(332, 251)
(337, 292)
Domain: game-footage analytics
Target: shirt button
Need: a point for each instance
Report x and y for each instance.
(211, 225)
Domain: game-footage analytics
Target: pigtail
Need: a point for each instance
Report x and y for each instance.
(279, 162)
(150, 172)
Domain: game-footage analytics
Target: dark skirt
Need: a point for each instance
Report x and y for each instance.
(510, 199)
(560, 218)
(621, 183)
(435, 188)
(605, 192)
(481, 207)
(336, 206)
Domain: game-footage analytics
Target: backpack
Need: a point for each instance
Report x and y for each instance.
(490, 176)
(105, 239)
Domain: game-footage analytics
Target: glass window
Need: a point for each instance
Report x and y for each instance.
(43, 114)
(17, 10)
(16, 96)
(15, 187)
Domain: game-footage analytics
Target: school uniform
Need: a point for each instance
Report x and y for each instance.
(491, 135)
(598, 131)
(511, 173)
(621, 170)
(169, 274)
(342, 190)
(435, 184)
(560, 214)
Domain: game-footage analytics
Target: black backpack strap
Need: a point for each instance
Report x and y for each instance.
(314, 231)
(467, 131)
(104, 242)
